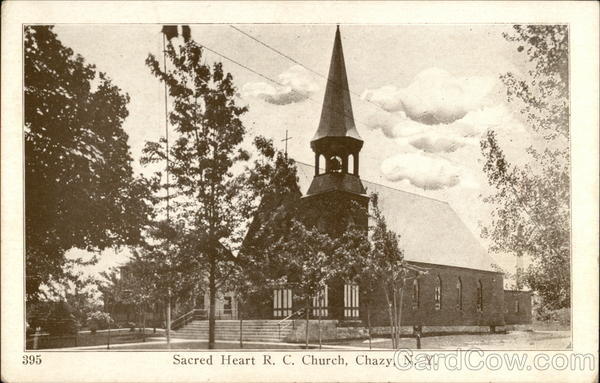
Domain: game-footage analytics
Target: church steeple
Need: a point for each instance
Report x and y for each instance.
(337, 139)
(337, 119)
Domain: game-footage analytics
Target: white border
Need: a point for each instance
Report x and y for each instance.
(156, 366)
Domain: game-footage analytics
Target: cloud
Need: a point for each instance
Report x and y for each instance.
(434, 97)
(394, 125)
(432, 144)
(445, 138)
(422, 170)
(297, 86)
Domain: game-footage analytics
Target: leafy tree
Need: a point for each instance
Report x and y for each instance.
(388, 264)
(310, 265)
(206, 147)
(373, 257)
(270, 196)
(80, 191)
(166, 270)
(531, 201)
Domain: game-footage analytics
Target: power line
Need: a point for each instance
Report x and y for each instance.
(299, 63)
(278, 83)
(316, 73)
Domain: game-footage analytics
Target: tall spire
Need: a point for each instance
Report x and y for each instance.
(337, 119)
(336, 138)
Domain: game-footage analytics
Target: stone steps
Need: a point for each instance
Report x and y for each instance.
(259, 330)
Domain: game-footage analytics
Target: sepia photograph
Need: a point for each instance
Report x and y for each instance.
(313, 196)
(297, 186)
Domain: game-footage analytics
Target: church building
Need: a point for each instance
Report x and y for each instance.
(461, 291)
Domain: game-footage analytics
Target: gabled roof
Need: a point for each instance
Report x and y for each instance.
(337, 119)
(430, 231)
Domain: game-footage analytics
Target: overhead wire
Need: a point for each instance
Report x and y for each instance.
(299, 63)
(316, 73)
(278, 83)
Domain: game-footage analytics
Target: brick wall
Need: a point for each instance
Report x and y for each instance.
(517, 307)
(449, 313)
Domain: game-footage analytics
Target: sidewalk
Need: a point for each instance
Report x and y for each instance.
(201, 344)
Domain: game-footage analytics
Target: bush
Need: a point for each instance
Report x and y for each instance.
(561, 316)
(99, 320)
(60, 320)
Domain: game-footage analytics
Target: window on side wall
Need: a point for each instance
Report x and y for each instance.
(415, 295)
(479, 296)
(459, 298)
(437, 293)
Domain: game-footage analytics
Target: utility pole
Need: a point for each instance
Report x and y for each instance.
(168, 324)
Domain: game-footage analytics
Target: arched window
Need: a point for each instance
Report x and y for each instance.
(415, 295)
(321, 303)
(282, 302)
(479, 296)
(437, 293)
(459, 299)
(351, 301)
(350, 164)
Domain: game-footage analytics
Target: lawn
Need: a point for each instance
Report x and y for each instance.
(514, 340)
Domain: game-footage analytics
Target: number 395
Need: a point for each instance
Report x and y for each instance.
(32, 359)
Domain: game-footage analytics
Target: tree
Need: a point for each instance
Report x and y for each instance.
(80, 191)
(209, 133)
(531, 201)
(389, 266)
(310, 265)
(270, 196)
(354, 251)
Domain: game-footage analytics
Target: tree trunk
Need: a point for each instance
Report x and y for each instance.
(213, 300)
(400, 313)
(319, 324)
(395, 313)
(144, 325)
(241, 324)
(169, 319)
(307, 313)
(369, 322)
(389, 304)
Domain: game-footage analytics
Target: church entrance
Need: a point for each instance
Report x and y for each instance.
(282, 303)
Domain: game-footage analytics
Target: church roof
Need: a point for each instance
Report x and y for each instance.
(430, 230)
(337, 119)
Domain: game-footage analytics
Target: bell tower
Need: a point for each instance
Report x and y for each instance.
(337, 142)
(336, 199)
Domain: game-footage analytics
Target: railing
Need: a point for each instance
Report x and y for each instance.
(186, 318)
(200, 314)
(285, 322)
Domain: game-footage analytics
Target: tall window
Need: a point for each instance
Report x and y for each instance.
(479, 296)
(437, 293)
(321, 304)
(517, 306)
(459, 299)
(227, 305)
(415, 295)
(282, 303)
(351, 303)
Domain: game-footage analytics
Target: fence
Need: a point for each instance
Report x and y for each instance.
(86, 338)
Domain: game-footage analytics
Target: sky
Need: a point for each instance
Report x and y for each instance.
(422, 96)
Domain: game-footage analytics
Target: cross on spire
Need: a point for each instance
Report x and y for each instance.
(286, 139)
